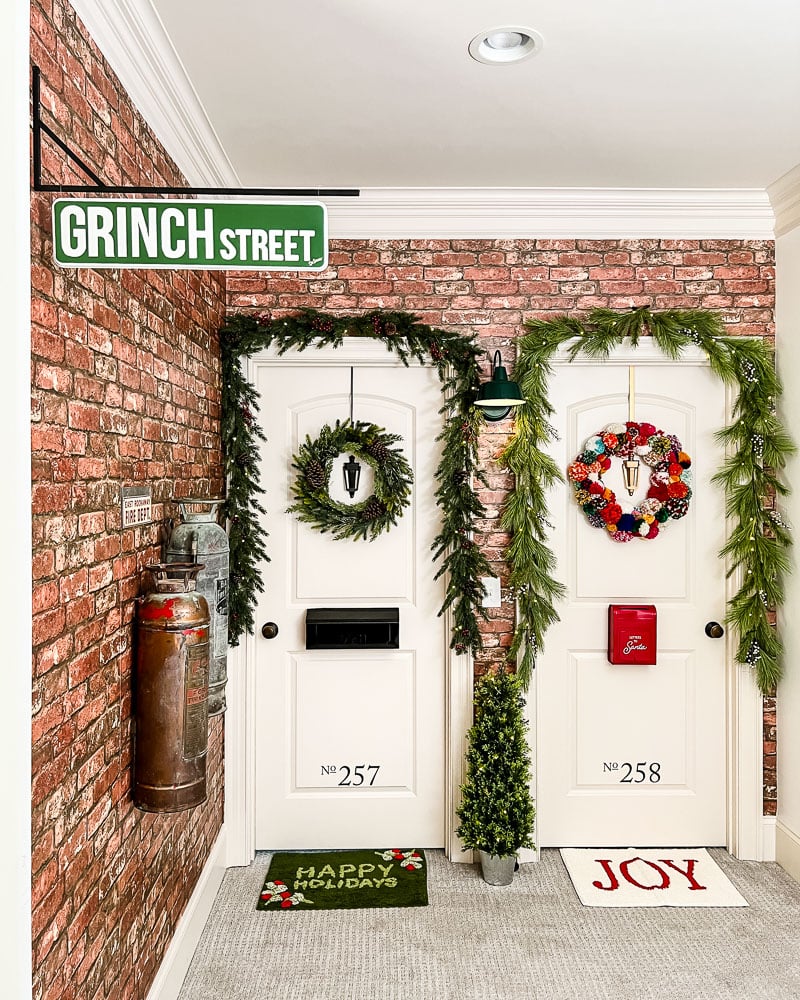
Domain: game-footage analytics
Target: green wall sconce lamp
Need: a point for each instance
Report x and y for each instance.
(498, 397)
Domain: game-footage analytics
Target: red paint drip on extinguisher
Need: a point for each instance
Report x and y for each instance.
(158, 610)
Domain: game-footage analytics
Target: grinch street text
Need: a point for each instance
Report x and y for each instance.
(183, 234)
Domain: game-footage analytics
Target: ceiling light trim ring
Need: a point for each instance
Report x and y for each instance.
(508, 43)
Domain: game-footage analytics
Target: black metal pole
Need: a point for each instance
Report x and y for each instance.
(237, 192)
(37, 128)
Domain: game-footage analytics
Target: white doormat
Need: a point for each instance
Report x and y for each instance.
(634, 877)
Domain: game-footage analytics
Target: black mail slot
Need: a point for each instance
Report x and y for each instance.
(352, 628)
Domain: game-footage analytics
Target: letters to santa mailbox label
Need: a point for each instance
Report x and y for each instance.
(632, 633)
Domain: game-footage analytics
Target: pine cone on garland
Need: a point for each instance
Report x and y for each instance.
(378, 451)
(315, 475)
(373, 509)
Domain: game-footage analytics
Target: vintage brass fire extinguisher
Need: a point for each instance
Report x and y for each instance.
(171, 695)
(200, 538)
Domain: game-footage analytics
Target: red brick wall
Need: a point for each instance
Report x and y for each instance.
(490, 287)
(125, 390)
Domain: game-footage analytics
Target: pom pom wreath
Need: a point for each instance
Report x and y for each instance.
(612, 513)
(626, 523)
(677, 508)
(669, 490)
(677, 490)
(660, 444)
(622, 536)
(650, 506)
(577, 471)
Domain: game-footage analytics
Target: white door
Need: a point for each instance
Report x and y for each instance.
(635, 755)
(349, 744)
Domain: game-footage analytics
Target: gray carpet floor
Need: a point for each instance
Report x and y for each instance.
(532, 940)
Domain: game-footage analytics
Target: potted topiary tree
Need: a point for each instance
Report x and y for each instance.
(496, 810)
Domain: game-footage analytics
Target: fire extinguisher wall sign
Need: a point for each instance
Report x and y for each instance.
(632, 634)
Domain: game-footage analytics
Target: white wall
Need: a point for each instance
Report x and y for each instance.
(15, 601)
(788, 340)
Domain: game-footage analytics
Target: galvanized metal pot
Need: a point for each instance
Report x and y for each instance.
(497, 869)
(171, 694)
(200, 538)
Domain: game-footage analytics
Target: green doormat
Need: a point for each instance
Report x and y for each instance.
(345, 880)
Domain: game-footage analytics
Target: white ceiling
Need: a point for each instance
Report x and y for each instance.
(382, 93)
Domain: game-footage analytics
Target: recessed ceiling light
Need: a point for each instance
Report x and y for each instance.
(505, 44)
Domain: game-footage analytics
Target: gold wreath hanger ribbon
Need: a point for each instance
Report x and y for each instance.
(630, 465)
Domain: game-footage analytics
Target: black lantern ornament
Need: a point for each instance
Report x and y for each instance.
(351, 469)
(352, 475)
(498, 397)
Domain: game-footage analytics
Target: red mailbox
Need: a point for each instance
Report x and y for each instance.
(632, 633)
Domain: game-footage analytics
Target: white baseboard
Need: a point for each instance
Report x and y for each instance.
(787, 850)
(175, 965)
(767, 835)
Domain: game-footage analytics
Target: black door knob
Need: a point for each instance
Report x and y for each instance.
(714, 630)
(269, 630)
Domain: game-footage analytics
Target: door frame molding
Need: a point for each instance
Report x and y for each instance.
(749, 834)
(240, 718)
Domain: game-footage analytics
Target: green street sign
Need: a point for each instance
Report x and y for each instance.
(201, 235)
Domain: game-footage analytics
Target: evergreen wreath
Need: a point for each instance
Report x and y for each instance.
(757, 448)
(314, 463)
(455, 358)
(670, 480)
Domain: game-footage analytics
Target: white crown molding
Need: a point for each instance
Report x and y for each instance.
(784, 194)
(134, 41)
(132, 38)
(542, 213)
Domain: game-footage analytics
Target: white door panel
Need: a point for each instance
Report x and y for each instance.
(350, 744)
(635, 755)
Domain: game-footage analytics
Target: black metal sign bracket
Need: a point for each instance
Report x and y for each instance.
(98, 185)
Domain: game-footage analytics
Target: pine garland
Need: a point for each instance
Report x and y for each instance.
(757, 446)
(455, 358)
(496, 809)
